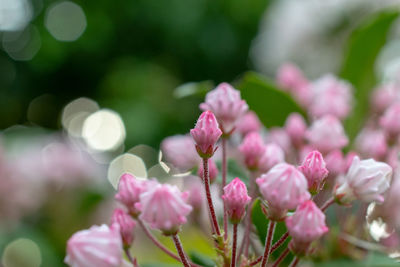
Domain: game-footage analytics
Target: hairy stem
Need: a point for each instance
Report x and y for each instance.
(268, 241)
(181, 253)
(234, 244)
(209, 199)
(281, 257)
(224, 171)
(159, 244)
(329, 202)
(294, 262)
(273, 248)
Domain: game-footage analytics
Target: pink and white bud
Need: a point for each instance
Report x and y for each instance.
(290, 77)
(314, 169)
(273, 154)
(99, 246)
(327, 134)
(385, 96)
(180, 151)
(331, 96)
(306, 225)
(284, 188)
(164, 207)
(252, 149)
(281, 138)
(390, 120)
(366, 180)
(125, 225)
(212, 171)
(248, 123)
(372, 143)
(227, 105)
(235, 198)
(295, 127)
(129, 190)
(206, 134)
(335, 163)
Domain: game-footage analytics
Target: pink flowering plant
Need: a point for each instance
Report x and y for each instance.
(262, 189)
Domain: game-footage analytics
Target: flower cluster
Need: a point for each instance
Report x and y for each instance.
(294, 173)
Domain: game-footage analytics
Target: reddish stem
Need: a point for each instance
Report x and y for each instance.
(329, 202)
(159, 244)
(273, 248)
(234, 245)
(181, 253)
(294, 262)
(224, 171)
(281, 257)
(268, 241)
(209, 199)
(128, 254)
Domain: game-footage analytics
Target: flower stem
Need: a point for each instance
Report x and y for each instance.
(224, 171)
(329, 202)
(268, 241)
(294, 262)
(128, 254)
(181, 253)
(159, 244)
(209, 199)
(273, 248)
(281, 257)
(234, 244)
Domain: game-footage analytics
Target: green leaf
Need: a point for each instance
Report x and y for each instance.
(373, 259)
(271, 104)
(201, 259)
(358, 66)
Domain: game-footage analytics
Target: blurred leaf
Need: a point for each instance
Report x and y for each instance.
(201, 259)
(358, 65)
(271, 104)
(193, 88)
(234, 170)
(160, 265)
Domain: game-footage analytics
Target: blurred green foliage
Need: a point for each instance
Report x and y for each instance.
(358, 67)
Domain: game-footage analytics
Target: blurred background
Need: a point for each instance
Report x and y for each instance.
(83, 81)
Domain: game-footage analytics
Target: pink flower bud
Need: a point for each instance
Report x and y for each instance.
(248, 123)
(385, 96)
(225, 102)
(206, 133)
(390, 120)
(366, 180)
(236, 199)
(305, 225)
(196, 197)
(252, 149)
(314, 170)
(273, 154)
(284, 188)
(125, 225)
(129, 190)
(98, 246)
(327, 134)
(372, 143)
(331, 96)
(212, 171)
(164, 207)
(335, 163)
(281, 138)
(180, 151)
(296, 127)
(290, 77)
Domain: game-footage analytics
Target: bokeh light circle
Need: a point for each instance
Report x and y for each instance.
(22, 253)
(66, 21)
(104, 130)
(126, 163)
